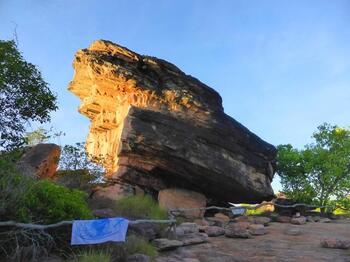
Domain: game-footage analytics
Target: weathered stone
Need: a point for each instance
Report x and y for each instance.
(241, 219)
(316, 218)
(40, 161)
(163, 244)
(175, 198)
(238, 230)
(157, 127)
(257, 229)
(335, 243)
(325, 220)
(193, 238)
(214, 231)
(186, 228)
(239, 225)
(259, 220)
(201, 222)
(310, 219)
(283, 219)
(293, 231)
(214, 221)
(222, 217)
(138, 258)
(298, 220)
(232, 233)
(148, 231)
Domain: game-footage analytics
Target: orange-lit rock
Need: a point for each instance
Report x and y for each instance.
(157, 127)
(40, 161)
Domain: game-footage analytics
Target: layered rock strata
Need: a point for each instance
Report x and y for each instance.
(156, 127)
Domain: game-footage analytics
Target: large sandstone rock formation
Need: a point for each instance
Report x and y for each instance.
(157, 127)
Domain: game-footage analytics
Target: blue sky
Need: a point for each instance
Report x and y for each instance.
(282, 67)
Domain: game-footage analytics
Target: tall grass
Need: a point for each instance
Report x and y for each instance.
(139, 207)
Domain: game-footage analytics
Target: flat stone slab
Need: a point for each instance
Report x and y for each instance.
(166, 244)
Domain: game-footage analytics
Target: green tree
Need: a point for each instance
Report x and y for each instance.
(321, 171)
(24, 95)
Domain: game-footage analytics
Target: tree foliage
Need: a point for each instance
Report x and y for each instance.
(24, 95)
(320, 172)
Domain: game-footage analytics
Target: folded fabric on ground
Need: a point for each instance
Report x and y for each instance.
(99, 231)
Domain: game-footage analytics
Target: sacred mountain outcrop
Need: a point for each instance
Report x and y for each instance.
(156, 127)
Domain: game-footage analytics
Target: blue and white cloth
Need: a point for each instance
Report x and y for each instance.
(99, 231)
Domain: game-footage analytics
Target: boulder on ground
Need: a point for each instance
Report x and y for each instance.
(335, 243)
(193, 238)
(214, 231)
(257, 229)
(298, 220)
(176, 198)
(283, 219)
(40, 161)
(156, 127)
(293, 231)
(238, 230)
(163, 244)
(186, 228)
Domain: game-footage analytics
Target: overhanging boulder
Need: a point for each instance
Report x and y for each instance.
(156, 127)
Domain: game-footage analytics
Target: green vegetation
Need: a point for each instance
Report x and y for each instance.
(25, 96)
(140, 207)
(93, 255)
(116, 251)
(49, 203)
(320, 173)
(27, 200)
(135, 244)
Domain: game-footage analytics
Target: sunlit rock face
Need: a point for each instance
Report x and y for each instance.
(156, 127)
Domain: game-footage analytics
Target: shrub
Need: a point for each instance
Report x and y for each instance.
(137, 245)
(13, 185)
(49, 203)
(139, 207)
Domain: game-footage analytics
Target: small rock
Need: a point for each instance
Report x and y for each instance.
(214, 221)
(146, 230)
(214, 231)
(193, 238)
(166, 244)
(293, 231)
(310, 219)
(298, 220)
(242, 219)
(325, 220)
(238, 225)
(283, 219)
(222, 216)
(244, 233)
(201, 222)
(188, 227)
(257, 229)
(261, 220)
(138, 258)
(316, 218)
(335, 243)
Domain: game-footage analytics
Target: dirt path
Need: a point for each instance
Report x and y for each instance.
(275, 246)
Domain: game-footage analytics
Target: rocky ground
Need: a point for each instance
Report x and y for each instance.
(283, 242)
